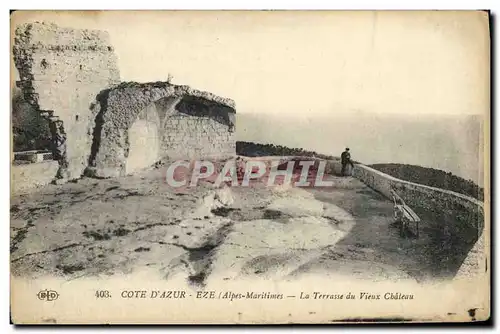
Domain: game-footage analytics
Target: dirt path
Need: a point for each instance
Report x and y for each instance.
(109, 227)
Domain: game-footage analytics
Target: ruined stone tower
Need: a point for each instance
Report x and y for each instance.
(61, 72)
(105, 128)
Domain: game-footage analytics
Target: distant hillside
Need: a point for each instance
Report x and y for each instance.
(432, 177)
(250, 149)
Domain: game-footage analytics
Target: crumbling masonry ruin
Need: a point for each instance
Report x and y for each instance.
(106, 128)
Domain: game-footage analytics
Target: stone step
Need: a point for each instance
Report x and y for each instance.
(33, 156)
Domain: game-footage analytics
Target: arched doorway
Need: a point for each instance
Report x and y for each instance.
(144, 141)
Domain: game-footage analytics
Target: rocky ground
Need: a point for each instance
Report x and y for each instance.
(110, 227)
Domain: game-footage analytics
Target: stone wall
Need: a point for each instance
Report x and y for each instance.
(28, 177)
(139, 124)
(475, 262)
(466, 210)
(453, 216)
(202, 132)
(61, 72)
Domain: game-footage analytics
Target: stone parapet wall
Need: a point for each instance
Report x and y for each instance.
(476, 261)
(425, 197)
(457, 216)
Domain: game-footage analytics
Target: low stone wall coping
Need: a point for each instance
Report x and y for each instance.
(444, 191)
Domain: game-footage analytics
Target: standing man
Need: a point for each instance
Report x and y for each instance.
(345, 158)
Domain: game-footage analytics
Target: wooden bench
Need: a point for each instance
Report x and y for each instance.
(405, 215)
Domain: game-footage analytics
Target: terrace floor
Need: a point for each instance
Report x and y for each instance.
(110, 227)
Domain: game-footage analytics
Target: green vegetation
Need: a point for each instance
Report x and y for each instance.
(29, 130)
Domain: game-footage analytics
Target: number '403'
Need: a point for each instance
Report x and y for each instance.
(102, 294)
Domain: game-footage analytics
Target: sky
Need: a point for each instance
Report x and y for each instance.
(308, 63)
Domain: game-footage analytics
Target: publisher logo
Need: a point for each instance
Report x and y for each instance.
(48, 295)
